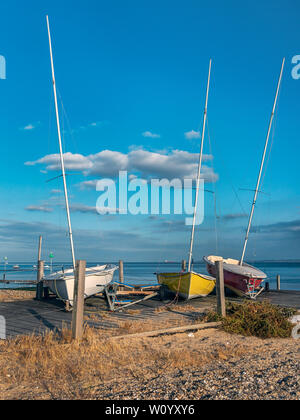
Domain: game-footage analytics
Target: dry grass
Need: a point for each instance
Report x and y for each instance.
(54, 367)
(13, 295)
(132, 327)
(132, 311)
(176, 308)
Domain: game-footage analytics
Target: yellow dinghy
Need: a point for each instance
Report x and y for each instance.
(188, 285)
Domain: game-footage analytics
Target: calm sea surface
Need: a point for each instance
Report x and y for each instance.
(143, 273)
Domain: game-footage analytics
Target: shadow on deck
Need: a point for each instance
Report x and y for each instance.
(27, 317)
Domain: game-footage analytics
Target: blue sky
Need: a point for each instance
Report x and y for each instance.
(125, 68)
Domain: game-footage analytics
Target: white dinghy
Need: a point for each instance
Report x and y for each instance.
(96, 279)
(62, 282)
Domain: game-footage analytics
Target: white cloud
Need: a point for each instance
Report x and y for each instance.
(151, 135)
(88, 185)
(97, 123)
(72, 162)
(93, 124)
(176, 164)
(192, 135)
(108, 163)
(28, 127)
(82, 208)
(234, 216)
(42, 209)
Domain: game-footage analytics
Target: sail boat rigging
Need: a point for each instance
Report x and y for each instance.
(240, 277)
(199, 170)
(60, 148)
(190, 284)
(262, 164)
(62, 282)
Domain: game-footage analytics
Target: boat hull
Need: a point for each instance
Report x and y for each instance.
(241, 284)
(95, 282)
(188, 285)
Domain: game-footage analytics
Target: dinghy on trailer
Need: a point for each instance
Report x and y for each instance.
(97, 278)
(243, 280)
(240, 277)
(189, 284)
(62, 282)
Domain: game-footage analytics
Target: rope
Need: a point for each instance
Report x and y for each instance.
(272, 139)
(64, 113)
(214, 188)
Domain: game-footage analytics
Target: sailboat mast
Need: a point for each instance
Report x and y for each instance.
(61, 150)
(199, 169)
(262, 164)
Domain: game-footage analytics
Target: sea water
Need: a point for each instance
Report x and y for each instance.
(144, 272)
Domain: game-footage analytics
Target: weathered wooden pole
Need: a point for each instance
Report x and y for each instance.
(278, 281)
(78, 300)
(40, 248)
(121, 274)
(183, 265)
(220, 291)
(40, 285)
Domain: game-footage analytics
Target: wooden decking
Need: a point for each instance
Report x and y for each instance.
(36, 317)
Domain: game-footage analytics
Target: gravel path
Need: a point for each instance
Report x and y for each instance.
(269, 369)
(269, 379)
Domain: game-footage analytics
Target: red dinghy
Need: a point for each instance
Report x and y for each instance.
(244, 280)
(240, 277)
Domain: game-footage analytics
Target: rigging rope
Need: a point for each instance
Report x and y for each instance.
(214, 192)
(272, 138)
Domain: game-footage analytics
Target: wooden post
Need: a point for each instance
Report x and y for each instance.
(40, 275)
(221, 308)
(40, 248)
(183, 265)
(78, 300)
(278, 281)
(121, 274)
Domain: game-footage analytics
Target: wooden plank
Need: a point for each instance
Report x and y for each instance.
(285, 298)
(173, 330)
(133, 292)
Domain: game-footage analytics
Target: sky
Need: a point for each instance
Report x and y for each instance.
(131, 79)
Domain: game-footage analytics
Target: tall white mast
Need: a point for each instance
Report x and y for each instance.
(60, 149)
(262, 164)
(199, 170)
